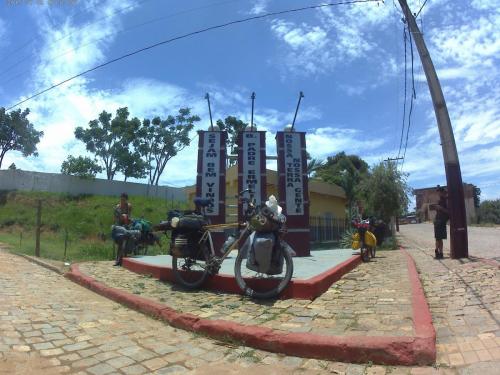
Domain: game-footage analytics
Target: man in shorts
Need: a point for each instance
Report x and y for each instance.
(122, 213)
(442, 215)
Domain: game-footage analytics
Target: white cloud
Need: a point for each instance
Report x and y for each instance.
(327, 141)
(259, 7)
(340, 34)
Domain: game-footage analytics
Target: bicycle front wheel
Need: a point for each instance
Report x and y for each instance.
(261, 285)
(191, 271)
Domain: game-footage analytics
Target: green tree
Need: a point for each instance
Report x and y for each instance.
(385, 192)
(17, 133)
(477, 196)
(313, 165)
(83, 167)
(12, 167)
(347, 171)
(233, 126)
(489, 211)
(159, 140)
(112, 141)
(132, 165)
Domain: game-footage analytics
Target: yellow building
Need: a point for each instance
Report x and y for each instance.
(326, 208)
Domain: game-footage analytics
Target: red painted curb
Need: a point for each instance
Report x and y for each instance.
(359, 349)
(296, 289)
(422, 318)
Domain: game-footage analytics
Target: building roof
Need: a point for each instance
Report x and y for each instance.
(315, 186)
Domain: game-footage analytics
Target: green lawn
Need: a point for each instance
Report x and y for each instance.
(87, 221)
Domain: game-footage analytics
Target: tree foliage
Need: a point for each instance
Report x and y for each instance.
(12, 167)
(489, 211)
(83, 167)
(477, 196)
(17, 133)
(233, 126)
(111, 141)
(347, 171)
(159, 140)
(385, 192)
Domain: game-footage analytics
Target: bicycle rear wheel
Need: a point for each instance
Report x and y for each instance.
(260, 285)
(365, 253)
(191, 271)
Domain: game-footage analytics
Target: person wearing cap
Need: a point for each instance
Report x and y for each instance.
(442, 215)
(122, 213)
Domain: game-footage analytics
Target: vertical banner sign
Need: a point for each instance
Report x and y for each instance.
(252, 166)
(211, 177)
(293, 188)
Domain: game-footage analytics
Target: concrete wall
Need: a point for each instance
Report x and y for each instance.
(58, 183)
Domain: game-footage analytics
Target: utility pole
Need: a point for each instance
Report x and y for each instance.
(458, 222)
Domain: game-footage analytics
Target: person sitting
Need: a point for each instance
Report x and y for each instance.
(122, 215)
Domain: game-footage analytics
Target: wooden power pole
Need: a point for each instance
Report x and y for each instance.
(458, 221)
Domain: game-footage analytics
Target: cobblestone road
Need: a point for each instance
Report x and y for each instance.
(372, 300)
(50, 325)
(484, 242)
(464, 298)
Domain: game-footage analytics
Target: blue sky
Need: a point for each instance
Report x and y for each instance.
(348, 60)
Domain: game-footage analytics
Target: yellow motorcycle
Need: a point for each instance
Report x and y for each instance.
(364, 240)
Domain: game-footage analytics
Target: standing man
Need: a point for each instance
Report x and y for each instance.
(122, 213)
(442, 216)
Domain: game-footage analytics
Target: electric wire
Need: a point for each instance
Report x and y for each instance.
(405, 40)
(117, 33)
(422, 7)
(412, 98)
(183, 36)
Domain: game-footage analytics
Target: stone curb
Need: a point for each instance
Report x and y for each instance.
(42, 263)
(417, 350)
(297, 289)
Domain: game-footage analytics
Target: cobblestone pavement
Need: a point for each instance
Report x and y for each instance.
(483, 241)
(372, 300)
(50, 325)
(464, 298)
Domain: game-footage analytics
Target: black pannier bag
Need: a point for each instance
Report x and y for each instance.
(191, 222)
(264, 253)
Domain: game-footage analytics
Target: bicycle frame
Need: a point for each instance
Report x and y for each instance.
(208, 229)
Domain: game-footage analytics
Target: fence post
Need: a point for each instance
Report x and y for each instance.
(38, 225)
(65, 242)
(20, 239)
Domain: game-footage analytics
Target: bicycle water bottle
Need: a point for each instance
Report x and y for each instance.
(230, 240)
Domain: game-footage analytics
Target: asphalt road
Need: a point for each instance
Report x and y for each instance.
(484, 242)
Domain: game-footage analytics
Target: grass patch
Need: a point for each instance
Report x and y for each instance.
(390, 243)
(85, 219)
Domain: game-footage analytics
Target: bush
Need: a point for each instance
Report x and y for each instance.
(489, 211)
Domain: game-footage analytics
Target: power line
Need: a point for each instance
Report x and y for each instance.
(413, 97)
(265, 15)
(404, 103)
(106, 38)
(422, 7)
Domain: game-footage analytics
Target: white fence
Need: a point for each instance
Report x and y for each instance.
(59, 183)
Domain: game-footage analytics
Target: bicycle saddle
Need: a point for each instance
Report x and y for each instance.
(202, 202)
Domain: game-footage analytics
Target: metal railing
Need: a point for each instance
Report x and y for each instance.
(326, 229)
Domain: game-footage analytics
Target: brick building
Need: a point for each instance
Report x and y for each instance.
(428, 196)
